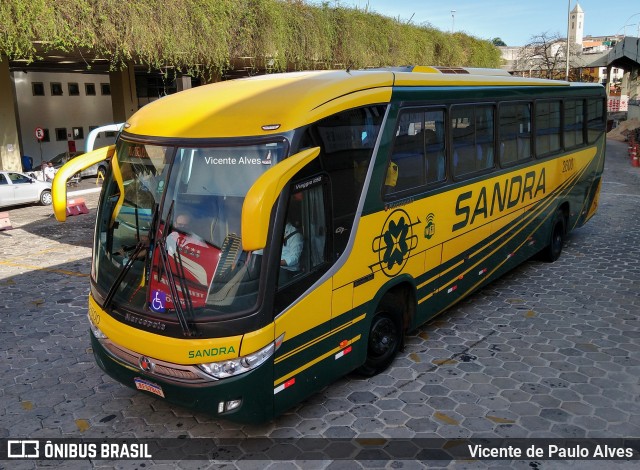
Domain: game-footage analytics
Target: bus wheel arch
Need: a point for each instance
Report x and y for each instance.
(386, 332)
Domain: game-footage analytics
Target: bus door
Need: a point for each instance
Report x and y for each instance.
(303, 314)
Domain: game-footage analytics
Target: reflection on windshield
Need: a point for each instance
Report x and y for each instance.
(201, 198)
(132, 192)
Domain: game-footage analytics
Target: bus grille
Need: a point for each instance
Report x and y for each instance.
(170, 372)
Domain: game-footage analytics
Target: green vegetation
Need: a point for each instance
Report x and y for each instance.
(207, 37)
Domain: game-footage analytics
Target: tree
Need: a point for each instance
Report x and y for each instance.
(544, 56)
(498, 42)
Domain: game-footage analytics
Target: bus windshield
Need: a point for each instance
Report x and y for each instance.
(169, 228)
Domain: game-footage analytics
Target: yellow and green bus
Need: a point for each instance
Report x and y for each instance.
(259, 238)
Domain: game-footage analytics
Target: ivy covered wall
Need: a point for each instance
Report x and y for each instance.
(204, 37)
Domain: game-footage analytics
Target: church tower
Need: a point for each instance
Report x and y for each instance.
(576, 25)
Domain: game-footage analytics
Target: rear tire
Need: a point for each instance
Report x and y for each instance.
(553, 250)
(385, 337)
(46, 198)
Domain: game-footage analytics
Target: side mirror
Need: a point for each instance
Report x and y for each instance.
(59, 184)
(256, 209)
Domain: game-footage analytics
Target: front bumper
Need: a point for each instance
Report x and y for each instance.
(181, 386)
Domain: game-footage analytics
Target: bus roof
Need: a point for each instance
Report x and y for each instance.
(274, 103)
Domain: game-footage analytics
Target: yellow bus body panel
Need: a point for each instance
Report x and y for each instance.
(445, 243)
(59, 185)
(242, 107)
(312, 310)
(256, 340)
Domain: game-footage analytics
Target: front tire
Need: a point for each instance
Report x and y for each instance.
(385, 338)
(45, 198)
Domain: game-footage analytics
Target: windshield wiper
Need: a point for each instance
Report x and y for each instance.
(127, 267)
(187, 329)
(177, 257)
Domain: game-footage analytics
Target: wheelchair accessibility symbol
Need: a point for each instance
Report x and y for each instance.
(158, 301)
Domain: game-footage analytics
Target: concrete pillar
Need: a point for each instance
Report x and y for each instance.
(124, 97)
(183, 82)
(10, 152)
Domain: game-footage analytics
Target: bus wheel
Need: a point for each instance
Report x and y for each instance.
(558, 231)
(385, 338)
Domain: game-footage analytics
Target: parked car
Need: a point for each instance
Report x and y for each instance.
(18, 188)
(93, 170)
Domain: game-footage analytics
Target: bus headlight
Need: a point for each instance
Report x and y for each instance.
(239, 365)
(97, 332)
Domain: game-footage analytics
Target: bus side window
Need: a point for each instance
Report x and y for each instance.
(547, 127)
(595, 118)
(435, 145)
(408, 152)
(515, 133)
(305, 246)
(347, 141)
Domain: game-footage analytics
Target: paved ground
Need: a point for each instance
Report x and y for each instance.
(550, 350)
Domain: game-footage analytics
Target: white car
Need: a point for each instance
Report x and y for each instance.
(93, 170)
(18, 188)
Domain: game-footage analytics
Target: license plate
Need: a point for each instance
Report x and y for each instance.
(142, 384)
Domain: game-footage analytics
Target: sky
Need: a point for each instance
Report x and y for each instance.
(514, 21)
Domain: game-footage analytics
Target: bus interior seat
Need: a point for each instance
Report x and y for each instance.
(231, 214)
(435, 164)
(408, 154)
(484, 155)
(523, 144)
(508, 148)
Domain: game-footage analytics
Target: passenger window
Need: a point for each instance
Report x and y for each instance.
(418, 155)
(472, 137)
(547, 127)
(3, 180)
(408, 153)
(515, 133)
(573, 123)
(595, 119)
(435, 145)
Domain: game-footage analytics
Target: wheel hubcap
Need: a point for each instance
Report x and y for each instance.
(383, 337)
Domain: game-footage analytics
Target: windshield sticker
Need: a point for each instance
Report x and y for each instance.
(158, 301)
(239, 160)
